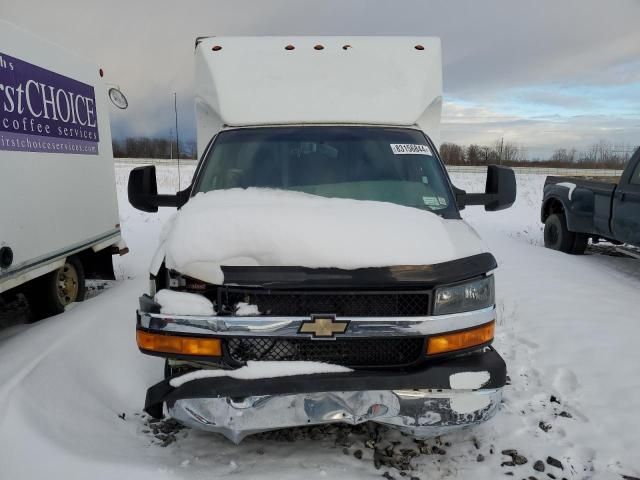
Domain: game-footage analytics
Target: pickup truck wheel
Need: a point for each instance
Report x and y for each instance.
(556, 234)
(50, 294)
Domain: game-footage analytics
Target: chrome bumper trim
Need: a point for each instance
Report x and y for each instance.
(289, 326)
(420, 413)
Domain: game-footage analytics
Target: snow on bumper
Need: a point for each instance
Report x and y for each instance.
(421, 402)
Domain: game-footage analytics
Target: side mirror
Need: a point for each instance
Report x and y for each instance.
(500, 191)
(143, 191)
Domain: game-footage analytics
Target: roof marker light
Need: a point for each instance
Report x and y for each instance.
(216, 48)
(289, 47)
(346, 47)
(419, 47)
(318, 47)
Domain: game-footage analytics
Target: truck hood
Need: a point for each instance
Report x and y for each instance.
(265, 227)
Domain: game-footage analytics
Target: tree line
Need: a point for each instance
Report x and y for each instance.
(147, 147)
(598, 155)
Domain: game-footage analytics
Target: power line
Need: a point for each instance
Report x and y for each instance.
(175, 109)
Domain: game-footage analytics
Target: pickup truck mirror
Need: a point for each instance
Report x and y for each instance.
(500, 191)
(143, 191)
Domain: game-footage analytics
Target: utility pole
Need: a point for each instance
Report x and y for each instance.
(171, 143)
(175, 109)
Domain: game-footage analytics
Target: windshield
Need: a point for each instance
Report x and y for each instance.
(364, 163)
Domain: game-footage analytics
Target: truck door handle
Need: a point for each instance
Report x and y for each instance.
(632, 195)
(622, 196)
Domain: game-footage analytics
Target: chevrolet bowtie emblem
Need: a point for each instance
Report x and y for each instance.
(323, 326)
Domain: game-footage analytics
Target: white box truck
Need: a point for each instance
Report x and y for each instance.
(319, 270)
(59, 218)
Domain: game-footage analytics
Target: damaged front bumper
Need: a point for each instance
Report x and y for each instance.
(423, 402)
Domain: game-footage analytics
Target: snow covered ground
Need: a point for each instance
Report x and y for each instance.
(72, 387)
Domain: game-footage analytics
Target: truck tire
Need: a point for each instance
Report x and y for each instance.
(556, 234)
(50, 294)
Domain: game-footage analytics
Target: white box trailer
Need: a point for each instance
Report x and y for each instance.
(249, 81)
(59, 217)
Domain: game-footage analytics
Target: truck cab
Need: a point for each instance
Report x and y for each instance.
(626, 204)
(318, 269)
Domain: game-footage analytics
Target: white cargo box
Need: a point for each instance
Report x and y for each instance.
(57, 185)
(243, 81)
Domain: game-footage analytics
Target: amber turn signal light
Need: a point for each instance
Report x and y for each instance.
(153, 342)
(451, 342)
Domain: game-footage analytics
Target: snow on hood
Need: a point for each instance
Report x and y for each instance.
(267, 227)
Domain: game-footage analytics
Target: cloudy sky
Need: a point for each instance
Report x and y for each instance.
(544, 74)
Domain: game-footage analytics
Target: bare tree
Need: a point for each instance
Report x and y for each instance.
(452, 154)
(562, 156)
(473, 154)
(146, 147)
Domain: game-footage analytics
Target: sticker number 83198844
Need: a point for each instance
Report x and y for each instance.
(410, 149)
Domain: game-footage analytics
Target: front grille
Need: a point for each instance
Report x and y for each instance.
(349, 304)
(342, 351)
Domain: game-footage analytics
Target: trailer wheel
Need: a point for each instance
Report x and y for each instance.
(50, 294)
(556, 234)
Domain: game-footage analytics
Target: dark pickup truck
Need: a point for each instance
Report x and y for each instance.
(575, 210)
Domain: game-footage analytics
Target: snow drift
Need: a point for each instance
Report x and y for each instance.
(266, 227)
(66, 382)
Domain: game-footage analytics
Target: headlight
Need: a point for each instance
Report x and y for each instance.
(465, 297)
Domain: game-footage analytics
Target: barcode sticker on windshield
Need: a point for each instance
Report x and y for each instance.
(410, 149)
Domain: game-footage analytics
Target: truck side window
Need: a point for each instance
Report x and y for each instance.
(635, 177)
